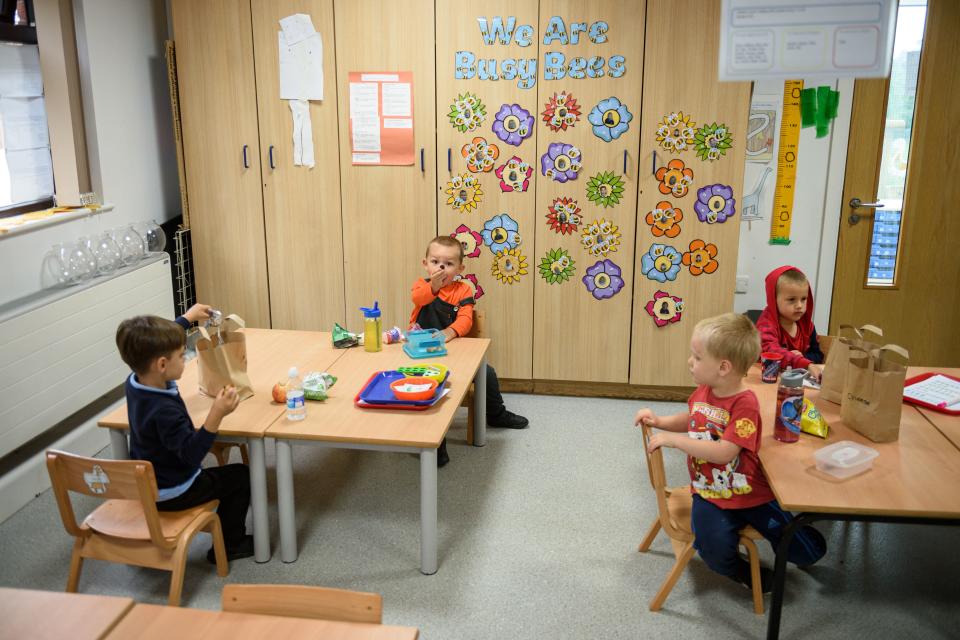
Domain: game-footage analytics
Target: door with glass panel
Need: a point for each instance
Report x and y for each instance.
(898, 254)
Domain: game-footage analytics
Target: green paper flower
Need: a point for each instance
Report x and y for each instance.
(712, 141)
(605, 189)
(467, 113)
(557, 266)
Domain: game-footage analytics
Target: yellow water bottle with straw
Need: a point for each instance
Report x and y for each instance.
(372, 328)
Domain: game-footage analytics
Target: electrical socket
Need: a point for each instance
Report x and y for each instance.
(743, 282)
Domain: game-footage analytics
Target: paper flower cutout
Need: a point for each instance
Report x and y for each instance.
(561, 111)
(600, 238)
(712, 141)
(475, 284)
(509, 265)
(513, 124)
(610, 119)
(664, 220)
(564, 216)
(467, 113)
(676, 132)
(675, 178)
(664, 308)
(605, 189)
(470, 240)
(464, 192)
(557, 266)
(514, 175)
(700, 258)
(603, 279)
(561, 162)
(715, 203)
(480, 155)
(501, 232)
(661, 263)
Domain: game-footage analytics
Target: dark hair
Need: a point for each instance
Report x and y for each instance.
(446, 241)
(143, 339)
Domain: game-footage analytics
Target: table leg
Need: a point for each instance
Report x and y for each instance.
(118, 443)
(780, 576)
(480, 405)
(258, 499)
(285, 502)
(428, 510)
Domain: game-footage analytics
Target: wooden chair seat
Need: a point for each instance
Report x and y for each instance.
(304, 601)
(126, 519)
(220, 450)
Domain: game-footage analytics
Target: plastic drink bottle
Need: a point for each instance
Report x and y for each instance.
(296, 408)
(786, 426)
(372, 328)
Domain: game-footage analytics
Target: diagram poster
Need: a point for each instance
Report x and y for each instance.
(381, 117)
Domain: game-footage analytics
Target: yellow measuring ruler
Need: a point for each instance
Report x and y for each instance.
(786, 163)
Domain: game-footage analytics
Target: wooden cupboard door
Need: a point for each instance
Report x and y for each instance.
(218, 105)
(582, 329)
(680, 75)
(301, 205)
(467, 200)
(389, 212)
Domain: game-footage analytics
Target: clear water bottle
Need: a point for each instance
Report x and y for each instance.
(296, 409)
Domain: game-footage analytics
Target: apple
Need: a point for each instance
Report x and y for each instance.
(280, 392)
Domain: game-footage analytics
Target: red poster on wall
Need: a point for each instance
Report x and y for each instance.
(381, 117)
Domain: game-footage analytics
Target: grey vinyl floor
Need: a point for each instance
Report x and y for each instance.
(538, 539)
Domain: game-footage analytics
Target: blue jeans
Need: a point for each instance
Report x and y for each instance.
(717, 536)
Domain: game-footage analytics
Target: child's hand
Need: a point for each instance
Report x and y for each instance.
(437, 280)
(816, 370)
(198, 312)
(661, 439)
(448, 334)
(227, 400)
(647, 417)
(796, 353)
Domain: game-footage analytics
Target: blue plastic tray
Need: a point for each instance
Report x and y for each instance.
(377, 390)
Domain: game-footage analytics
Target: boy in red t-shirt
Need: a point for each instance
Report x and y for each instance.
(721, 440)
(786, 325)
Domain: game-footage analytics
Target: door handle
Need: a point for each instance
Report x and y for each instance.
(246, 165)
(856, 203)
(270, 153)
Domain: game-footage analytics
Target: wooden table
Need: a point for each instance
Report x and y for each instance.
(149, 622)
(905, 484)
(26, 613)
(945, 423)
(270, 354)
(338, 423)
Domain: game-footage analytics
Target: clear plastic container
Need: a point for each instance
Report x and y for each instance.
(845, 459)
(296, 408)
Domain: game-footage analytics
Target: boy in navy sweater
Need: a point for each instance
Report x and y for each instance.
(162, 432)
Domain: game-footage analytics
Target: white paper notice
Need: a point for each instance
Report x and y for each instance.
(297, 27)
(302, 134)
(366, 158)
(398, 123)
(396, 99)
(301, 68)
(363, 100)
(366, 134)
(20, 71)
(24, 123)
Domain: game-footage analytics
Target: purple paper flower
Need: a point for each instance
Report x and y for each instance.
(603, 279)
(513, 124)
(715, 203)
(561, 162)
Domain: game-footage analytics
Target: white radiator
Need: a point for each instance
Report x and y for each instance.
(57, 348)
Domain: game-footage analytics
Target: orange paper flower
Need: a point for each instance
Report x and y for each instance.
(480, 155)
(675, 178)
(664, 220)
(701, 258)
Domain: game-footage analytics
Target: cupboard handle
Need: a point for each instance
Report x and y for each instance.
(246, 165)
(271, 157)
(449, 160)
(624, 162)
(421, 160)
(654, 162)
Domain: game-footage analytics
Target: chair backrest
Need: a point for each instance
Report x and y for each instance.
(479, 328)
(105, 479)
(300, 601)
(658, 479)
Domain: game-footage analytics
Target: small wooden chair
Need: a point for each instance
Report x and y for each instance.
(221, 451)
(478, 330)
(127, 527)
(674, 507)
(298, 601)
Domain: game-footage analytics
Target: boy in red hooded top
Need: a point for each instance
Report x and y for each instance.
(786, 325)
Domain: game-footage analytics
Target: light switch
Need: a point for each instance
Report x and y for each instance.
(742, 283)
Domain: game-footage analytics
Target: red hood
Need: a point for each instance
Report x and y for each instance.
(806, 322)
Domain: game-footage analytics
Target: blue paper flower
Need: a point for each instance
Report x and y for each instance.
(501, 232)
(610, 119)
(661, 263)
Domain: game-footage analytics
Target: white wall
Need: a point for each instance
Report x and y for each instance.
(816, 210)
(129, 130)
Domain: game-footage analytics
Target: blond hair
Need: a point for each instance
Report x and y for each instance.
(446, 241)
(793, 276)
(731, 337)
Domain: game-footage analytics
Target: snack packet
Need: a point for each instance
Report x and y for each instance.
(811, 421)
(316, 384)
(343, 339)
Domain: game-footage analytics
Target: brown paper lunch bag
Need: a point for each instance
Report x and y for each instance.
(222, 359)
(873, 392)
(838, 359)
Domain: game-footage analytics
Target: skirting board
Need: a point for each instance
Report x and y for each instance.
(596, 389)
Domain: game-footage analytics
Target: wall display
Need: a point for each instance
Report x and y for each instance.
(561, 111)
(557, 266)
(480, 155)
(715, 203)
(464, 192)
(712, 141)
(605, 189)
(561, 162)
(675, 178)
(610, 119)
(381, 118)
(761, 128)
(475, 284)
(513, 124)
(467, 113)
(514, 175)
(564, 216)
(509, 265)
(664, 220)
(787, 153)
(501, 232)
(664, 308)
(470, 240)
(676, 132)
(600, 238)
(603, 280)
(661, 263)
(701, 258)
